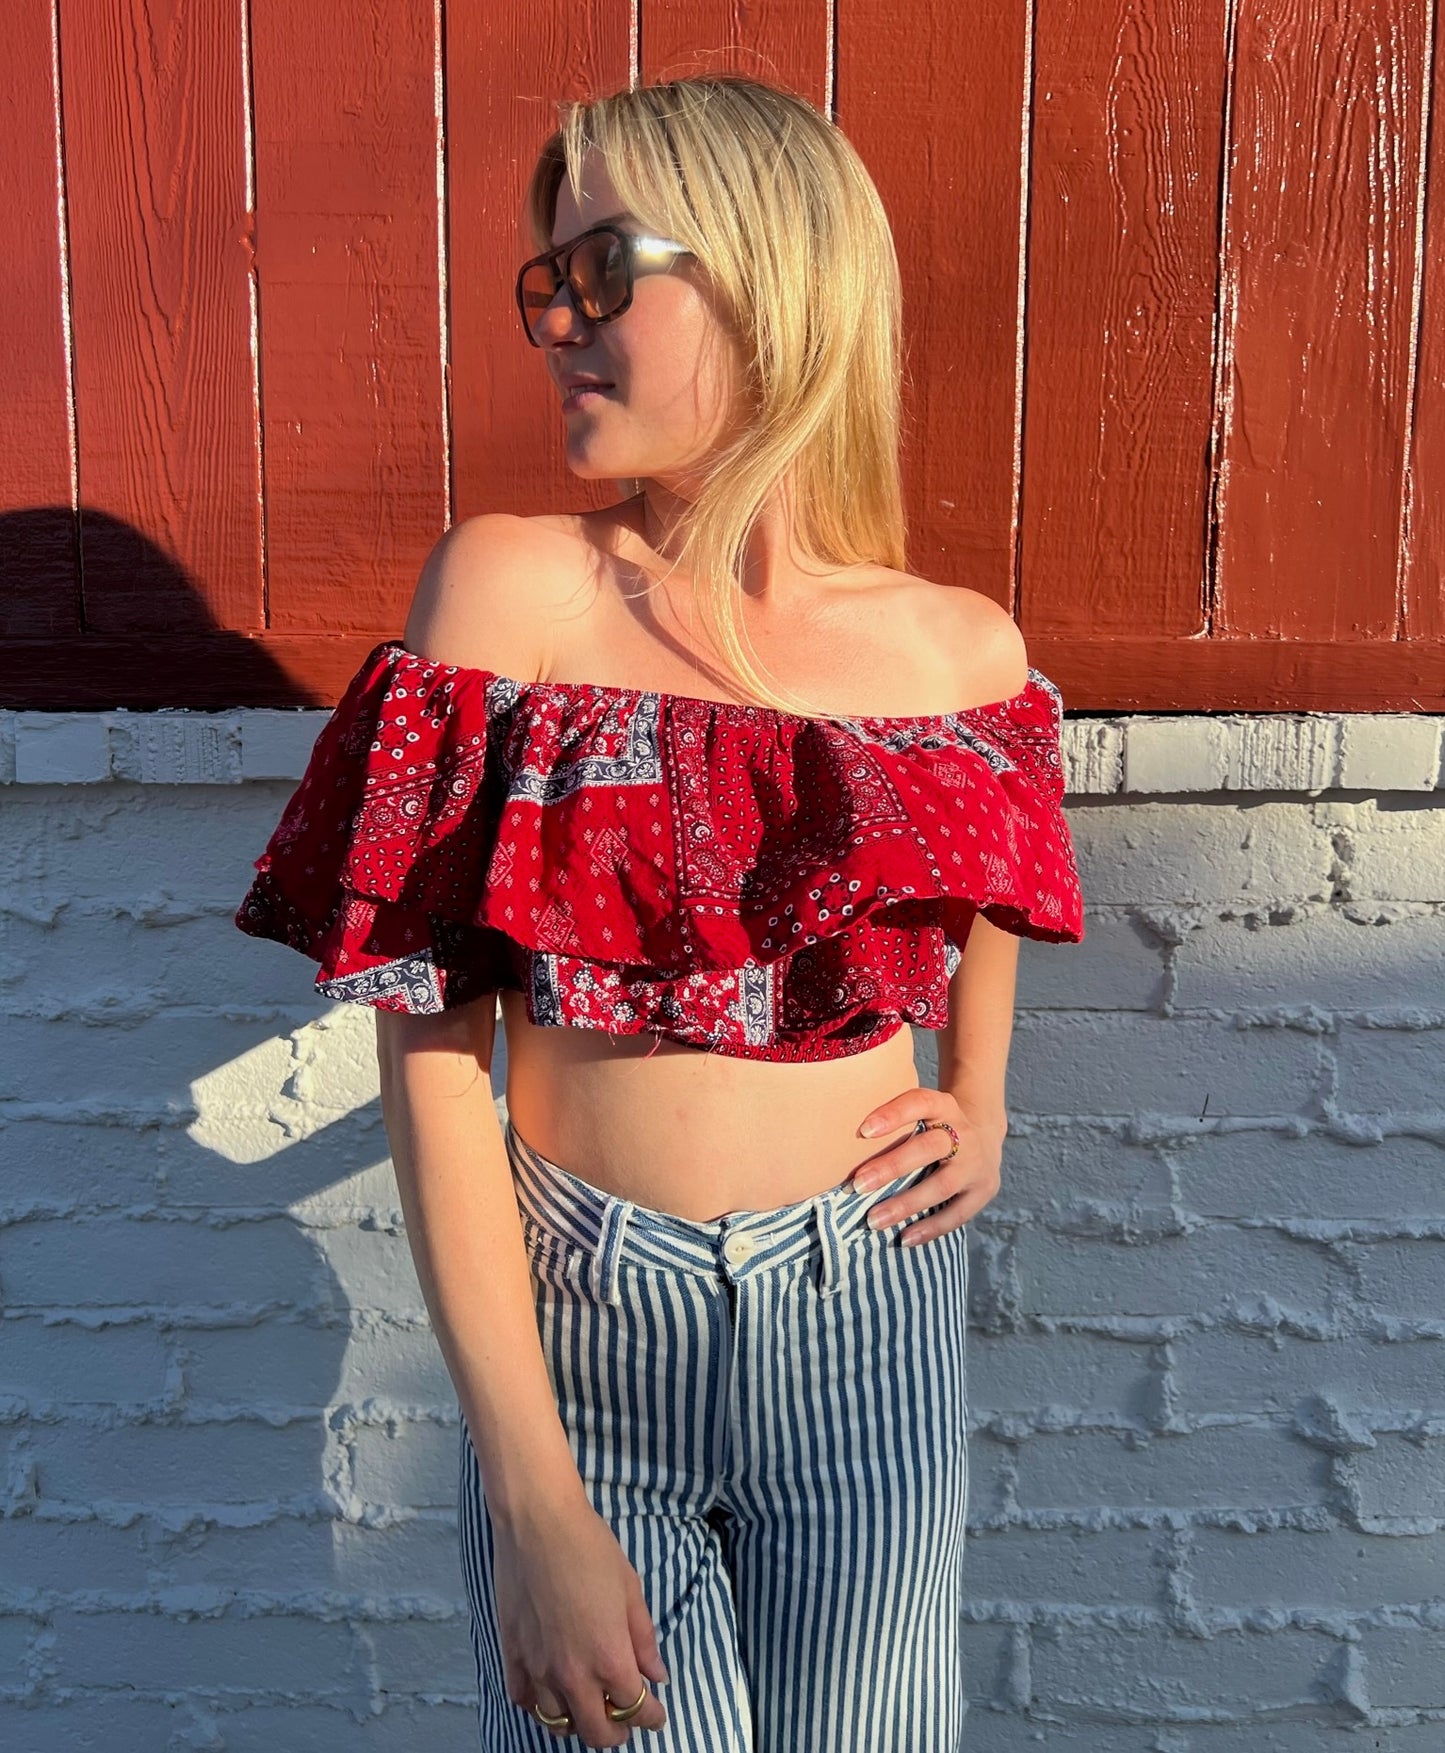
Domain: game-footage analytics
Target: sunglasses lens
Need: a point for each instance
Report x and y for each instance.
(539, 288)
(598, 275)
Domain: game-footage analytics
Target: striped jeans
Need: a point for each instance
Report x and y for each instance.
(769, 1411)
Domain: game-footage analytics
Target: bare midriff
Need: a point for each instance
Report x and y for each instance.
(698, 1134)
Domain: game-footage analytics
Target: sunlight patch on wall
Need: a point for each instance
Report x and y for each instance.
(288, 1088)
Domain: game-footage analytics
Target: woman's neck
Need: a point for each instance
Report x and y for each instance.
(775, 575)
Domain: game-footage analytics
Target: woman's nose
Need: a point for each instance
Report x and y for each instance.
(560, 321)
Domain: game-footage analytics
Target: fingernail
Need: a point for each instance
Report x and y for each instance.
(869, 1129)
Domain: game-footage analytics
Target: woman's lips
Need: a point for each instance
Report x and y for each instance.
(578, 397)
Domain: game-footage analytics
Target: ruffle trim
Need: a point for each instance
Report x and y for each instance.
(449, 812)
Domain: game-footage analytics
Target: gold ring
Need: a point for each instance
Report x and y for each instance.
(553, 1722)
(622, 1716)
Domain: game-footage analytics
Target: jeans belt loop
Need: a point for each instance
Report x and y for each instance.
(830, 1246)
(606, 1286)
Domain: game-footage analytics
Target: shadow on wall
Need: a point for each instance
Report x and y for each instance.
(227, 1412)
(231, 1441)
(116, 621)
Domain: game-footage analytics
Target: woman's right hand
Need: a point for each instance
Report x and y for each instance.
(574, 1624)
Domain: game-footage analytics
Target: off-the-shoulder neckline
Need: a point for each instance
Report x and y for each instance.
(739, 708)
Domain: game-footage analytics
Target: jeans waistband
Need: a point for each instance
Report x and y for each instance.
(739, 1244)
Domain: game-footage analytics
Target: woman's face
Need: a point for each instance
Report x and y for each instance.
(670, 359)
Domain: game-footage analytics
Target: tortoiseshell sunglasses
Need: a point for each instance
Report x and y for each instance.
(598, 268)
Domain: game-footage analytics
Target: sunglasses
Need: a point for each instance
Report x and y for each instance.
(597, 268)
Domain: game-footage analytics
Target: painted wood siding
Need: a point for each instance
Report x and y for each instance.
(1175, 294)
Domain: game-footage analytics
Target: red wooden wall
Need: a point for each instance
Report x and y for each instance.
(1175, 281)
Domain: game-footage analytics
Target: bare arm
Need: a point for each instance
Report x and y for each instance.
(973, 1046)
(465, 1234)
(476, 603)
(572, 1621)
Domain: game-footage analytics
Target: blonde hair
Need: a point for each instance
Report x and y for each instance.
(784, 219)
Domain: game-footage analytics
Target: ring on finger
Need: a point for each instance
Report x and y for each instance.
(622, 1715)
(881, 1216)
(944, 1126)
(628, 1711)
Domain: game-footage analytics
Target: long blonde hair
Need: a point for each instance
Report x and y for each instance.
(785, 220)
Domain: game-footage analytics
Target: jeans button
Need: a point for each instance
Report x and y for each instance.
(737, 1249)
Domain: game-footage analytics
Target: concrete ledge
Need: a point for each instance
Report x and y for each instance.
(1309, 752)
(1134, 754)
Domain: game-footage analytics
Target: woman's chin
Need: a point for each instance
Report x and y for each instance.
(587, 468)
(596, 461)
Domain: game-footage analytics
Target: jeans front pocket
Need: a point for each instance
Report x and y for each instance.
(554, 1259)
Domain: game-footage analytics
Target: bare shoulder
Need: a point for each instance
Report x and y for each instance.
(488, 593)
(977, 639)
(993, 657)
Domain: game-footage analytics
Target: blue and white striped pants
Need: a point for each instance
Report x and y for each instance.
(769, 1411)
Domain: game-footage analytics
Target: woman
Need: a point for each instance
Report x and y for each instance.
(735, 1464)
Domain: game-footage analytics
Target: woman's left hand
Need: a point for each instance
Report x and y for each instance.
(959, 1187)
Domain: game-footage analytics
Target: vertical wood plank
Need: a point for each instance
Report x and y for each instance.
(508, 69)
(1319, 289)
(154, 133)
(39, 563)
(348, 269)
(1423, 545)
(939, 128)
(782, 42)
(1122, 267)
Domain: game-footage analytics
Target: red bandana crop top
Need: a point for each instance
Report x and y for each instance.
(741, 879)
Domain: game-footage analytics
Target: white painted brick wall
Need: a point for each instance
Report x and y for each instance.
(1207, 1343)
